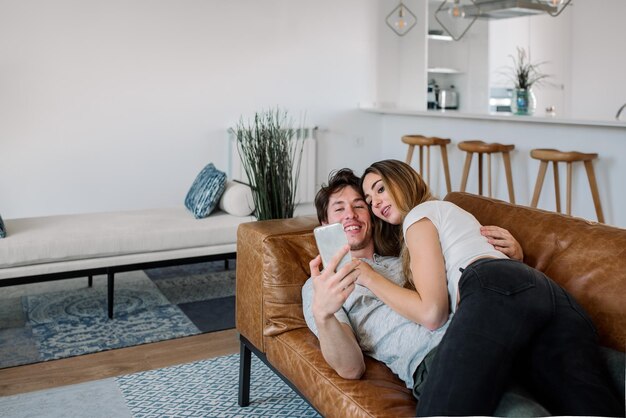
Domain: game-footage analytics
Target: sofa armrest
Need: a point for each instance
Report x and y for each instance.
(272, 265)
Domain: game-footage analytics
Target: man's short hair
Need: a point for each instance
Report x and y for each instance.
(337, 181)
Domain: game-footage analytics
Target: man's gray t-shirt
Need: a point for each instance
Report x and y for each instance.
(382, 333)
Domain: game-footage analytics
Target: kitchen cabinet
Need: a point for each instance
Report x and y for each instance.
(606, 137)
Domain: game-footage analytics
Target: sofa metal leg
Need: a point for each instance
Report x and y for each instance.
(110, 282)
(245, 360)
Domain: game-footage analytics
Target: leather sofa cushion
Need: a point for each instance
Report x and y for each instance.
(296, 354)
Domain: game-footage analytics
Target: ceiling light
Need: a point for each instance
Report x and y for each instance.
(401, 20)
(559, 5)
(453, 18)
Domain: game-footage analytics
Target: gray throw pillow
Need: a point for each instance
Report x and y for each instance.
(3, 230)
(205, 191)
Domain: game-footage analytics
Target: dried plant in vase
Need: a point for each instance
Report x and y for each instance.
(271, 154)
(524, 76)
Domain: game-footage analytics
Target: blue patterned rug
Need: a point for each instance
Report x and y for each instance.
(47, 321)
(205, 388)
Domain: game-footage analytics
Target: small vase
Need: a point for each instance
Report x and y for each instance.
(523, 102)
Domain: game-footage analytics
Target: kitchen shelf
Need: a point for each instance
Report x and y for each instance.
(444, 70)
(446, 38)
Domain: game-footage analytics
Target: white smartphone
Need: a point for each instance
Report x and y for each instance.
(330, 239)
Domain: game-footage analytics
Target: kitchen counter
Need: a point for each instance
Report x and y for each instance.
(606, 138)
(500, 116)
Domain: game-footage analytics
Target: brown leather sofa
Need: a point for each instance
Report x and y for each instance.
(586, 258)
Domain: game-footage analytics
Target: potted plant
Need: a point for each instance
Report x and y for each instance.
(271, 155)
(524, 76)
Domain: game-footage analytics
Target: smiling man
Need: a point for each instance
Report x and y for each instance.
(347, 318)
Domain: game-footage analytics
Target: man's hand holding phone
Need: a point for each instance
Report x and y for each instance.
(330, 239)
(331, 288)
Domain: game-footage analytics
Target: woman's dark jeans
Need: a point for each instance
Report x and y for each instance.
(512, 318)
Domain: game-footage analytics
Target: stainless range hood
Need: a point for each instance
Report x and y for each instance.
(451, 12)
(504, 9)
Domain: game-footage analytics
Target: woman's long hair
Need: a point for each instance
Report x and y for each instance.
(407, 189)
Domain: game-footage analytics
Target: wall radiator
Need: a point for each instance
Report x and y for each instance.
(306, 188)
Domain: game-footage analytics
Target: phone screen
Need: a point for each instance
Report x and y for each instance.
(330, 239)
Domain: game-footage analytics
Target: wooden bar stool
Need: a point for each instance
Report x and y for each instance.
(480, 148)
(556, 156)
(427, 141)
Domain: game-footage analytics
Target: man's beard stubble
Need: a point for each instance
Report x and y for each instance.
(361, 244)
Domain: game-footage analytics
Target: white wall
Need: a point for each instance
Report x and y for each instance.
(401, 60)
(118, 104)
(598, 59)
(108, 105)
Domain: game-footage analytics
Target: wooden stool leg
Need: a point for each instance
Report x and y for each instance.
(422, 161)
(446, 168)
(489, 174)
(409, 154)
(480, 174)
(594, 190)
(569, 188)
(466, 169)
(557, 185)
(543, 166)
(428, 165)
(509, 176)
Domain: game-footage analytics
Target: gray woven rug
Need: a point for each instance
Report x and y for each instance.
(205, 388)
(53, 320)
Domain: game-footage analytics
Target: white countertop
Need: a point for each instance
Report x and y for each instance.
(501, 116)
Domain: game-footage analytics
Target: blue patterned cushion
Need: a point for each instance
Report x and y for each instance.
(3, 231)
(205, 191)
